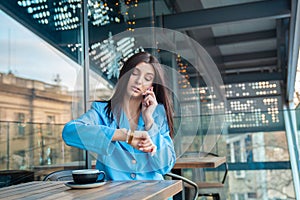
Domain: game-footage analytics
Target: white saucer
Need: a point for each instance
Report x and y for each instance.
(84, 186)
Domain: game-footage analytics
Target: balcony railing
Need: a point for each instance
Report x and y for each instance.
(27, 145)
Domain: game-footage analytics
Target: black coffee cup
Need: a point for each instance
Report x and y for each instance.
(84, 176)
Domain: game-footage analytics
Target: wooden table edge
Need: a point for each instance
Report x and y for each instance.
(168, 192)
(198, 164)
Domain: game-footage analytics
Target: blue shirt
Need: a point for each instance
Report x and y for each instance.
(93, 132)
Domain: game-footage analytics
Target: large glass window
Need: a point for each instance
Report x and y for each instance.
(37, 89)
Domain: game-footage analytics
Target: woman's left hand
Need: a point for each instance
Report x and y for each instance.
(149, 104)
(142, 141)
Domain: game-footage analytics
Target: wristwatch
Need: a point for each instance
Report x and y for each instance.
(129, 136)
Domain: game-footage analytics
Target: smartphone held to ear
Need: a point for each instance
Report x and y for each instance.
(146, 93)
(149, 89)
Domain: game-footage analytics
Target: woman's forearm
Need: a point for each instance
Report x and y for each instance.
(120, 135)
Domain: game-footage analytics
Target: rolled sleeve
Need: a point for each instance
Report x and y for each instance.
(89, 132)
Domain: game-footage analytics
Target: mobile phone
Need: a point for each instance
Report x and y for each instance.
(149, 88)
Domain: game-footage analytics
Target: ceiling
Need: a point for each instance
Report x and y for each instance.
(249, 40)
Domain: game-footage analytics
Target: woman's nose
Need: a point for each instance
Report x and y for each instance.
(138, 80)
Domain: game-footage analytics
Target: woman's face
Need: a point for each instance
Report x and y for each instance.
(140, 80)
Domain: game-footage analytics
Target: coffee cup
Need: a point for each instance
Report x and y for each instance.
(84, 176)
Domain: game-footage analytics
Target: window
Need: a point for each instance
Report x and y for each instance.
(50, 125)
(238, 156)
(237, 151)
(19, 159)
(240, 150)
(249, 148)
(252, 195)
(241, 196)
(238, 196)
(21, 124)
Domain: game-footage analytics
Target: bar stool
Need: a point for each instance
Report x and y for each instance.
(214, 185)
(187, 181)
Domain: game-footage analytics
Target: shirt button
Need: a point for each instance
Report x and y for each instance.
(132, 175)
(133, 161)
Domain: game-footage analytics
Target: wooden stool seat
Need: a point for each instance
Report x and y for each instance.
(209, 185)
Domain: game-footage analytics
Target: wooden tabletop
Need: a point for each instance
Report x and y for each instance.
(199, 162)
(110, 190)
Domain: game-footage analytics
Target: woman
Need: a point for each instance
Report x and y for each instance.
(131, 133)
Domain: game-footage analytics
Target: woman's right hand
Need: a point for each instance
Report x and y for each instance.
(142, 141)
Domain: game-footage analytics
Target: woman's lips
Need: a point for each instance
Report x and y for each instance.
(136, 89)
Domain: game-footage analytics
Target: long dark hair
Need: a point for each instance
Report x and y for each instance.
(159, 87)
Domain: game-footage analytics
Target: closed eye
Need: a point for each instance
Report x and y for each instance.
(135, 72)
(148, 77)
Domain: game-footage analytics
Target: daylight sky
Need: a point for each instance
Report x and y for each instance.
(28, 56)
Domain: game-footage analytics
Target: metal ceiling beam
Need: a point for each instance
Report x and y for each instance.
(266, 68)
(252, 64)
(248, 37)
(250, 56)
(205, 18)
(240, 38)
(272, 9)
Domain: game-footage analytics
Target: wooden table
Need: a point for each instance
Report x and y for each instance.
(195, 160)
(199, 162)
(110, 190)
